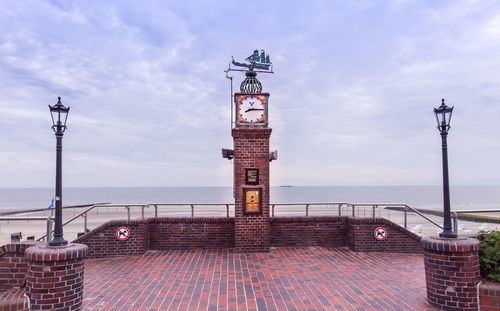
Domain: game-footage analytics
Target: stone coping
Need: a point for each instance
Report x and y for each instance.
(46, 253)
(459, 245)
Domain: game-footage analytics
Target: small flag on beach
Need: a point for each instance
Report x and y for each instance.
(51, 205)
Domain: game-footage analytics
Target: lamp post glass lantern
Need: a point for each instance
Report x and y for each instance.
(59, 114)
(443, 118)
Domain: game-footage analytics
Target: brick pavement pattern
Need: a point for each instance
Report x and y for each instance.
(309, 278)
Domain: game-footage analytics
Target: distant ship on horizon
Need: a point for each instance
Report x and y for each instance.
(285, 185)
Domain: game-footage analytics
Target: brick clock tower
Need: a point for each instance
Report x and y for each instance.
(251, 158)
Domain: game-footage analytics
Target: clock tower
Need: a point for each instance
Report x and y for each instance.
(251, 158)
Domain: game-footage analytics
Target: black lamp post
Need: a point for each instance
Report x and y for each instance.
(443, 117)
(59, 115)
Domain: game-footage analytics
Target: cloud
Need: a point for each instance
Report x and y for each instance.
(351, 100)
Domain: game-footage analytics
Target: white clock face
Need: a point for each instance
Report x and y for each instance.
(251, 109)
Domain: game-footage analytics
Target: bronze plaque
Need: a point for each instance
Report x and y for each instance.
(251, 176)
(252, 200)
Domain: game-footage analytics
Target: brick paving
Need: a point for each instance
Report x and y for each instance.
(311, 278)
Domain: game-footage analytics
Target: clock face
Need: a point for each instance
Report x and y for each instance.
(251, 110)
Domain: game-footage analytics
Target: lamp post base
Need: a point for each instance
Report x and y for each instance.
(448, 234)
(58, 241)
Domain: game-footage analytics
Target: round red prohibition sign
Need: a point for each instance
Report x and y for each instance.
(380, 233)
(122, 233)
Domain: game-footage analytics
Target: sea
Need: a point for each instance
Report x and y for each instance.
(430, 197)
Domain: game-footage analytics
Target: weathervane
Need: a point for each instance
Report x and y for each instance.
(257, 62)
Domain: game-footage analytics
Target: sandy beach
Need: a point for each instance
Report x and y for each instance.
(100, 215)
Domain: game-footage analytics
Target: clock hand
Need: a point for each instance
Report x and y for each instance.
(252, 109)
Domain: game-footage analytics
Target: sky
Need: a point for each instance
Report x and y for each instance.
(351, 101)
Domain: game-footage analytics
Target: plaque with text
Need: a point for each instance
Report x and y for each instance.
(251, 176)
(252, 199)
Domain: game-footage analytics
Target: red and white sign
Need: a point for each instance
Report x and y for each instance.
(380, 233)
(122, 233)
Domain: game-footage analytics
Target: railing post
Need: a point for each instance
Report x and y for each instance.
(142, 211)
(340, 209)
(128, 213)
(49, 228)
(454, 217)
(353, 211)
(307, 210)
(227, 210)
(156, 210)
(84, 223)
(374, 207)
(192, 210)
(406, 217)
(272, 209)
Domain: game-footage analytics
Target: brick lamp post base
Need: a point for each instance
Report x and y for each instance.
(451, 272)
(54, 278)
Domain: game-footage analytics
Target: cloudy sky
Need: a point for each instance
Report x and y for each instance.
(351, 99)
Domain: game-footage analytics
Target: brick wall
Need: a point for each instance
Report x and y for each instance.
(489, 296)
(328, 231)
(54, 277)
(360, 236)
(251, 150)
(451, 272)
(102, 241)
(13, 264)
(164, 233)
(190, 233)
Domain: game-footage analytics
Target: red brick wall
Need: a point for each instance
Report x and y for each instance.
(489, 296)
(13, 264)
(219, 232)
(451, 272)
(251, 150)
(102, 241)
(328, 231)
(360, 236)
(54, 278)
(190, 233)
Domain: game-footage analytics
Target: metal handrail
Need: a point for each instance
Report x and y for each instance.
(192, 205)
(353, 206)
(24, 218)
(454, 215)
(67, 222)
(48, 219)
(31, 210)
(273, 205)
(307, 205)
(421, 215)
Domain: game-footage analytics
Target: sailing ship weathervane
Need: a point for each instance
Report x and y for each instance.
(257, 62)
